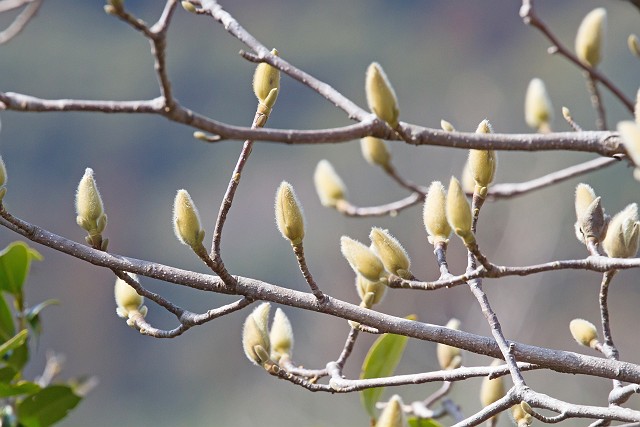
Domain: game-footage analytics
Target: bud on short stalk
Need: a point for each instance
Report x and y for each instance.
(255, 337)
(362, 259)
(280, 336)
(266, 83)
(128, 301)
(435, 214)
(538, 110)
(482, 163)
(381, 97)
(392, 415)
(89, 207)
(584, 332)
(289, 216)
(459, 212)
(449, 357)
(375, 152)
(330, 188)
(366, 287)
(623, 234)
(590, 38)
(393, 256)
(591, 221)
(186, 220)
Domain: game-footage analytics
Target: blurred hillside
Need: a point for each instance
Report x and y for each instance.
(457, 60)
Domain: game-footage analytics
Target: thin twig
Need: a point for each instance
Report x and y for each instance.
(298, 250)
(596, 102)
(21, 21)
(392, 208)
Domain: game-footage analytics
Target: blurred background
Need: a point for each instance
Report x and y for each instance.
(462, 61)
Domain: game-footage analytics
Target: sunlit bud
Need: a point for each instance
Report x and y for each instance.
(623, 233)
(584, 332)
(266, 79)
(566, 113)
(281, 335)
(590, 38)
(446, 126)
(89, 206)
(492, 390)
(381, 96)
(634, 44)
(482, 163)
(255, 338)
(538, 110)
(393, 256)
(435, 214)
(467, 181)
(362, 259)
(365, 286)
(375, 151)
(592, 224)
(392, 415)
(329, 186)
(188, 6)
(630, 133)
(127, 299)
(289, 217)
(459, 212)
(584, 197)
(521, 417)
(449, 357)
(186, 221)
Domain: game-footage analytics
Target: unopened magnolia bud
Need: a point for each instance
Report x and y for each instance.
(255, 338)
(393, 256)
(188, 6)
(634, 45)
(281, 335)
(466, 180)
(584, 332)
(375, 151)
(521, 417)
(593, 222)
(449, 357)
(381, 96)
(435, 214)
(365, 287)
(127, 299)
(538, 110)
(584, 197)
(266, 79)
(482, 163)
(362, 259)
(623, 234)
(459, 212)
(590, 38)
(289, 217)
(329, 186)
(392, 415)
(566, 113)
(446, 126)
(630, 133)
(89, 206)
(492, 390)
(186, 220)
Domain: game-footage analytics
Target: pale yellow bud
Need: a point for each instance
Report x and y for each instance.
(630, 133)
(584, 332)
(446, 126)
(329, 186)
(127, 299)
(367, 287)
(381, 96)
(266, 79)
(467, 181)
(449, 357)
(392, 415)
(255, 338)
(188, 6)
(362, 259)
(281, 335)
(393, 256)
(459, 212)
(590, 38)
(538, 110)
(89, 206)
(289, 216)
(623, 234)
(435, 214)
(492, 390)
(591, 222)
(521, 417)
(584, 197)
(375, 151)
(634, 45)
(566, 113)
(186, 220)
(482, 163)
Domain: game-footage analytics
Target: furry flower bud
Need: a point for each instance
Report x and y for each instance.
(623, 233)
(446, 126)
(255, 338)
(538, 110)
(630, 133)
(380, 95)
(367, 287)
(186, 220)
(375, 151)
(449, 357)
(634, 45)
(482, 163)
(590, 38)
(392, 415)
(329, 186)
(492, 389)
(127, 299)
(362, 259)
(89, 206)
(591, 220)
(289, 216)
(435, 214)
(459, 212)
(393, 256)
(584, 332)
(281, 335)
(266, 82)
(520, 415)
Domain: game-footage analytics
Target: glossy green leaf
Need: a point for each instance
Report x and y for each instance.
(14, 342)
(381, 361)
(423, 422)
(15, 261)
(47, 406)
(7, 327)
(21, 387)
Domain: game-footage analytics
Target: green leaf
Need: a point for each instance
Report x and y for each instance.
(382, 359)
(14, 342)
(7, 374)
(7, 327)
(15, 261)
(47, 406)
(19, 357)
(423, 422)
(33, 315)
(21, 387)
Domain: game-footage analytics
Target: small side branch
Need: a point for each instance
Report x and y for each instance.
(21, 21)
